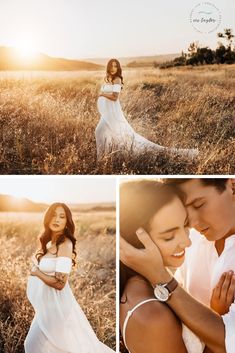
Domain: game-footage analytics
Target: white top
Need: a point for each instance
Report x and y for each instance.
(110, 88)
(201, 272)
(50, 265)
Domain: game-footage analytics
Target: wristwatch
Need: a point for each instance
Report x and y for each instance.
(163, 291)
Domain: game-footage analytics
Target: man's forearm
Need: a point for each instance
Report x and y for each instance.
(203, 321)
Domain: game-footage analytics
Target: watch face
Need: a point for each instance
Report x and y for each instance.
(161, 293)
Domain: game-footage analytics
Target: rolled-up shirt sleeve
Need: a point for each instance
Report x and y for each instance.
(229, 323)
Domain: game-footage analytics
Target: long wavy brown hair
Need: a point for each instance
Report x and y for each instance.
(118, 73)
(140, 200)
(68, 232)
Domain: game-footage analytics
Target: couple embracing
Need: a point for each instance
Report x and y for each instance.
(177, 252)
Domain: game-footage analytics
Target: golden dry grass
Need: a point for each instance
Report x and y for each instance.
(48, 120)
(92, 281)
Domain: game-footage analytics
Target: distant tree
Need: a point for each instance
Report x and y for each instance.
(226, 54)
(192, 49)
(220, 54)
(204, 55)
(228, 36)
(180, 61)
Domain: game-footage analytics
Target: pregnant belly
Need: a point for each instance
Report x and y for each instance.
(34, 290)
(106, 106)
(102, 105)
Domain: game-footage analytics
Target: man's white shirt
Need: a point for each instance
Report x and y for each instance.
(201, 272)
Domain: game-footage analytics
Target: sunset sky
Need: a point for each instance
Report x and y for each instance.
(62, 189)
(104, 28)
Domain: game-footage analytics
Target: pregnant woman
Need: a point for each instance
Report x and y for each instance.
(59, 324)
(113, 132)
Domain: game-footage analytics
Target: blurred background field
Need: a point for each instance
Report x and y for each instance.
(48, 120)
(92, 280)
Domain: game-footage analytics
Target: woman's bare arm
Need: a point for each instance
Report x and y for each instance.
(203, 321)
(150, 325)
(154, 328)
(59, 280)
(114, 95)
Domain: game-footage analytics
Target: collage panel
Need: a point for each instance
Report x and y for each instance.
(58, 265)
(136, 87)
(177, 265)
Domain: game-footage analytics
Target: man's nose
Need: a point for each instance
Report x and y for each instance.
(185, 240)
(192, 218)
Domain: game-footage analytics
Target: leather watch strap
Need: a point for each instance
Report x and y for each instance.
(171, 286)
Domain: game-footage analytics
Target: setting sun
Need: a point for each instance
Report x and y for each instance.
(26, 52)
(25, 49)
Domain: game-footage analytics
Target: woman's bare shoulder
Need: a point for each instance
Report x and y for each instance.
(152, 321)
(66, 248)
(138, 290)
(117, 80)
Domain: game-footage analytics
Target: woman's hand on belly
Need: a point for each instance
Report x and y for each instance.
(34, 271)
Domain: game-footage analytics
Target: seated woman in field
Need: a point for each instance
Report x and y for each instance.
(147, 324)
(113, 132)
(59, 324)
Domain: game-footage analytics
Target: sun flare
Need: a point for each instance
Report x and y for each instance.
(25, 49)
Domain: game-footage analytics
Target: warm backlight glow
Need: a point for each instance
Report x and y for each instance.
(25, 49)
(17, 201)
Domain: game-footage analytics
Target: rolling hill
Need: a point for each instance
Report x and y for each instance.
(11, 60)
(9, 203)
(138, 59)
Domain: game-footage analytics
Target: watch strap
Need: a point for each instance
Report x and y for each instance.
(172, 285)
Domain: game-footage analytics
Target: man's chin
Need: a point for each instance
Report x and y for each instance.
(209, 236)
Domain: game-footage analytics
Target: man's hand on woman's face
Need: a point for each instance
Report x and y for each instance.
(147, 261)
(223, 294)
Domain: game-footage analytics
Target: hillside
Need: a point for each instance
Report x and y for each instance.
(139, 59)
(11, 60)
(10, 203)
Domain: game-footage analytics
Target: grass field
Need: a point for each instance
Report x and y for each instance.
(92, 281)
(48, 120)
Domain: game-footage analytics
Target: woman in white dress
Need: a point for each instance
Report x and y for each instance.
(59, 324)
(113, 132)
(148, 325)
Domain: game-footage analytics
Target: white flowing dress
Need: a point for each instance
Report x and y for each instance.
(114, 133)
(59, 324)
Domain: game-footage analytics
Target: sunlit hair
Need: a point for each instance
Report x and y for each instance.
(117, 74)
(219, 183)
(68, 232)
(140, 200)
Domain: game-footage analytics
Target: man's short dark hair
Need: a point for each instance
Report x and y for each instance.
(218, 183)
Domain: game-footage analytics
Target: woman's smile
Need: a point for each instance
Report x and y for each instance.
(179, 255)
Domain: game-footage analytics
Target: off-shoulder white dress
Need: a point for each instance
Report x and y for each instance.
(114, 133)
(59, 324)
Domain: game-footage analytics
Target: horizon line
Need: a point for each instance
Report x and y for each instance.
(93, 58)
